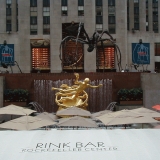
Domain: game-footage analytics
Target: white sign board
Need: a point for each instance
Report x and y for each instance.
(118, 144)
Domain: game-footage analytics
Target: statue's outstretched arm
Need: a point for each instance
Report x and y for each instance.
(100, 85)
(59, 89)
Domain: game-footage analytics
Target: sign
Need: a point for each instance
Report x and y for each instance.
(7, 54)
(141, 53)
(94, 144)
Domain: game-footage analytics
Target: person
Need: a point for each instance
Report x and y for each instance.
(76, 92)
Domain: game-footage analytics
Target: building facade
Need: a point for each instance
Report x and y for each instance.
(31, 33)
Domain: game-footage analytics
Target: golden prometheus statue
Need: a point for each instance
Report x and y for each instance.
(69, 96)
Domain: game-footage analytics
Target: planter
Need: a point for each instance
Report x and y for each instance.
(22, 104)
(131, 102)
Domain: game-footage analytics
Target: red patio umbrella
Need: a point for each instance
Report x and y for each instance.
(156, 107)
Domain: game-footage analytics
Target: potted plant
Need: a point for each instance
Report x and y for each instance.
(130, 96)
(16, 95)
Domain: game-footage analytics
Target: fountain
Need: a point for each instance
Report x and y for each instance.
(98, 99)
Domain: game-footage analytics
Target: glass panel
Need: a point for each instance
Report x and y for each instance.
(99, 20)
(64, 8)
(46, 9)
(106, 60)
(80, 2)
(33, 9)
(157, 49)
(33, 20)
(99, 11)
(98, 2)
(80, 8)
(8, 11)
(46, 13)
(46, 3)
(46, 20)
(8, 1)
(33, 3)
(64, 2)
(111, 2)
(111, 19)
(111, 10)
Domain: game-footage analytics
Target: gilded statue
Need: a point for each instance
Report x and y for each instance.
(75, 95)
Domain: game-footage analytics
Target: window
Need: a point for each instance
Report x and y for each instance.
(80, 7)
(105, 58)
(155, 15)
(99, 27)
(46, 3)
(8, 15)
(99, 20)
(64, 8)
(80, 2)
(136, 14)
(33, 29)
(72, 52)
(111, 2)
(111, 16)
(64, 2)
(46, 20)
(136, 10)
(157, 49)
(99, 11)
(33, 17)
(8, 1)
(111, 19)
(147, 22)
(40, 59)
(33, 3)
(33, 20)
(99, 16)
(98, 2)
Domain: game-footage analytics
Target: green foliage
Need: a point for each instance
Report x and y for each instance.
(130, 94)
(16, 95)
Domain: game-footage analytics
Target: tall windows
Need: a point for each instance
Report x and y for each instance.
(80, 7)
(155, 15)
(8, 16)
(106, 58)
(64, 4)
(157, 53)
(99, 15)
(17, 15)
(72, 52)
(111, 17)
(147, 22)
(33, 16)
(40, 55)
(157, 49)
(46, 16)
(136, 14)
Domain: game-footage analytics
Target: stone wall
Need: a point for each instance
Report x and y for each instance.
(1, 90)
(151, 89)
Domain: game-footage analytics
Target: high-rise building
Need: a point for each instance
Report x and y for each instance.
(31, 33)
